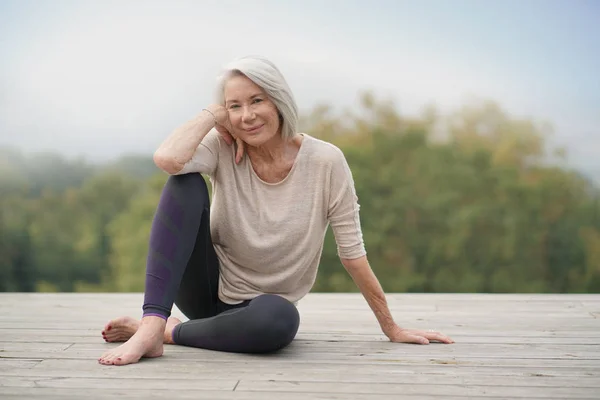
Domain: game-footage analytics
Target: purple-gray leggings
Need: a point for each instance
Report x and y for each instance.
(183, 269)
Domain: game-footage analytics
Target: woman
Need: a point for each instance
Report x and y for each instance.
(237, 269)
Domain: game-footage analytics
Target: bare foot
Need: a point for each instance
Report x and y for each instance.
(146, 342)
(172, 322)
(120, 329)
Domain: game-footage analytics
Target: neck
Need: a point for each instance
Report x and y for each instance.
(272, 151)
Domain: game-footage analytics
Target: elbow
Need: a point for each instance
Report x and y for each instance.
(166, 163)
(355, 264)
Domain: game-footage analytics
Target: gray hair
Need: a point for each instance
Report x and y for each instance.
(268, 77)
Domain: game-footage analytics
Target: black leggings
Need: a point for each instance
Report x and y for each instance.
(183, 269)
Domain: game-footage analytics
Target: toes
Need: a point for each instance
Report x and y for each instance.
(103, 360)
(126, 359)
(121, 361)
(116, 337)
(108, 358)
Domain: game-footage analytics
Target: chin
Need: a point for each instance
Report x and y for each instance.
(258, 139)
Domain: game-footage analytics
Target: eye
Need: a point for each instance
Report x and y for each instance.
(257, 100)
(231, 107)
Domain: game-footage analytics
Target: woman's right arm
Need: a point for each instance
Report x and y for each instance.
(179, 147)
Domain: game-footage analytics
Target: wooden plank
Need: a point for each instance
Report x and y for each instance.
(338, 301)
(339, 375)
(360, 325)
(589, 328)
(413, 298)
(335, 349)
(150, 383)
(418, 389)
(54, 336)
(20, 338)
(316, 358)
(460, 339)
(33, 346)
(508, 346)
(446, 318)
(42, 333)
(468, 336)
(16, 365)
(473, 314)
(237, 367)
(343, 339)
(111, 394)
(117, 302)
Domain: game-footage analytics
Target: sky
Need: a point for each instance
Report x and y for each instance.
(101, 79)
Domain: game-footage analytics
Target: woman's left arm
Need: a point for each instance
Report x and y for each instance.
(362, 274)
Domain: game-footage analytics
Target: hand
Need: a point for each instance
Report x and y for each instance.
(400, 335)
(223, 125)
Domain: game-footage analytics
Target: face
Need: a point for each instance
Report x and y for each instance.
(253, 116)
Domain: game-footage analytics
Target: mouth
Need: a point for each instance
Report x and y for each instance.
(255, 129)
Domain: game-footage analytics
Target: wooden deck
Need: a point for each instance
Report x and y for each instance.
(507, 346)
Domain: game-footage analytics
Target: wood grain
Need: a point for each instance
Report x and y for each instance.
(507, 347)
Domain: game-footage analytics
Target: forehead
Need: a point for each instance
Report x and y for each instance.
(239, 87)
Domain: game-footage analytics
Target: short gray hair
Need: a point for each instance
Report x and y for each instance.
(268, 77)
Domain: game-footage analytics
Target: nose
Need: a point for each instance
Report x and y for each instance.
(248, 114)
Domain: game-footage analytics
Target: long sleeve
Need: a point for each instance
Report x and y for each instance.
(206, 156)
(343, 210)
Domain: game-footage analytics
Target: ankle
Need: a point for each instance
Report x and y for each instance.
(172, 324)
(168, 336)
(153, 324)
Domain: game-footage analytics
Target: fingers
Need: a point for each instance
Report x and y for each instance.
(225, 133)
(418, 336)
(437, 336)
(417, 339)
(427, 337)
(230, 139)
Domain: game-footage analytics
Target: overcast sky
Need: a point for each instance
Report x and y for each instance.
(103, 78)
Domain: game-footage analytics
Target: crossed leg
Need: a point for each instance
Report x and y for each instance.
(183, 269)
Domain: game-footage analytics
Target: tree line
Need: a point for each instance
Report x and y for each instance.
(470, 202)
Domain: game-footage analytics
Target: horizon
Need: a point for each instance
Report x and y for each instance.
(110, 79)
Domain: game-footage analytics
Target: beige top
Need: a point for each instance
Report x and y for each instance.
(269, 237)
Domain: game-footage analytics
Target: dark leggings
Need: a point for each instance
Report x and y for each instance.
(183, 269)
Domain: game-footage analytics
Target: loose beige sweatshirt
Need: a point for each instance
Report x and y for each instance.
(269, 237)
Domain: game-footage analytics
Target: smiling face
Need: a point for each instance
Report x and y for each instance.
(253, 116)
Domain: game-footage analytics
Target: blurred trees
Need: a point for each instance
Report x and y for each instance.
(463, 203)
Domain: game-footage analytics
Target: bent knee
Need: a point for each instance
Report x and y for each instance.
(277, 321)
(193, 180)
(189, 185)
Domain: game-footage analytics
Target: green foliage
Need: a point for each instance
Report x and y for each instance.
(464, 203)
(477, 211)
(130, 233)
